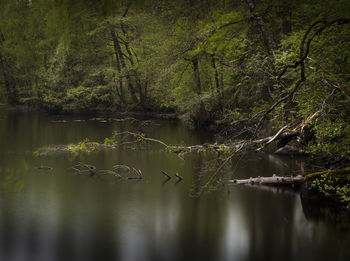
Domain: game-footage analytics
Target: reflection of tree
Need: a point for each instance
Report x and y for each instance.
(196, 187)
(326, 213)
(270, 219)
(208, 172)
(10, 180)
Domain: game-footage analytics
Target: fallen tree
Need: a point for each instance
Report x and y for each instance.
(272, 181)
(127, 140)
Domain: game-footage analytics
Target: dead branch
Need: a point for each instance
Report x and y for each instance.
(276, 135)
(88, 168)
(123, 167)
(166, 174)
(137, 171)
(335, 87)
(141, 137)
(109, 172)
(178, 176)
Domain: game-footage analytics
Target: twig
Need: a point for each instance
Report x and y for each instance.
(141, 137)
(125, 167)
(111, 172)
(178, 176)
(138, 172)
(166, 174)
(90, 168)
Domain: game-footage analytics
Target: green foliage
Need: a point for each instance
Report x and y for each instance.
(83, 146)
(332, 185)
(208, 60)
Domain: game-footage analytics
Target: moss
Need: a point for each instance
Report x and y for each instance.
(340, 173)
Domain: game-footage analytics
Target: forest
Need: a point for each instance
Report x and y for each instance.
(243, 68)
(174, 130)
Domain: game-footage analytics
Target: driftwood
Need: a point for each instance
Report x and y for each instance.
(272, 181)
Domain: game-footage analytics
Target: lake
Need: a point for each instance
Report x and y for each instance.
(58, 215)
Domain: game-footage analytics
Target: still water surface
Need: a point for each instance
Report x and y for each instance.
(56, 215)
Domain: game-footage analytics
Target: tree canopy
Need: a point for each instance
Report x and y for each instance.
(272, 62)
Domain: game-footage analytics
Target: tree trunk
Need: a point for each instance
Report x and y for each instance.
(196, 75)
(286, 24)
(271, 181)
(121, 89)
(137, 79)
(120, 56)
(131, 59)
(10, 86)
(216, 76)
(139, 87)
(267, 38)
(201, 113)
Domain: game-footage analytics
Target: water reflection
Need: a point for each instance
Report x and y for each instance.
(235, 241)
(61, 216)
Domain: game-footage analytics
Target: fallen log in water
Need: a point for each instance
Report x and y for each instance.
(272, 181)
(127, 138)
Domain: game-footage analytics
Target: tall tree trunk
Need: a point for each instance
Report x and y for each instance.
(131, 59)
(196, 75)
(139, 87)
(201, 115)
(120, 56)
(216, 75)
(137, 78)
(222, 81)
(286, 16)
(267, 38)
(121, 89)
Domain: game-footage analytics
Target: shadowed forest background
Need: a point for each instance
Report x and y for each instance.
(232, 64)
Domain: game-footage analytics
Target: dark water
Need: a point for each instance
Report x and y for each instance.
(56, 215)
